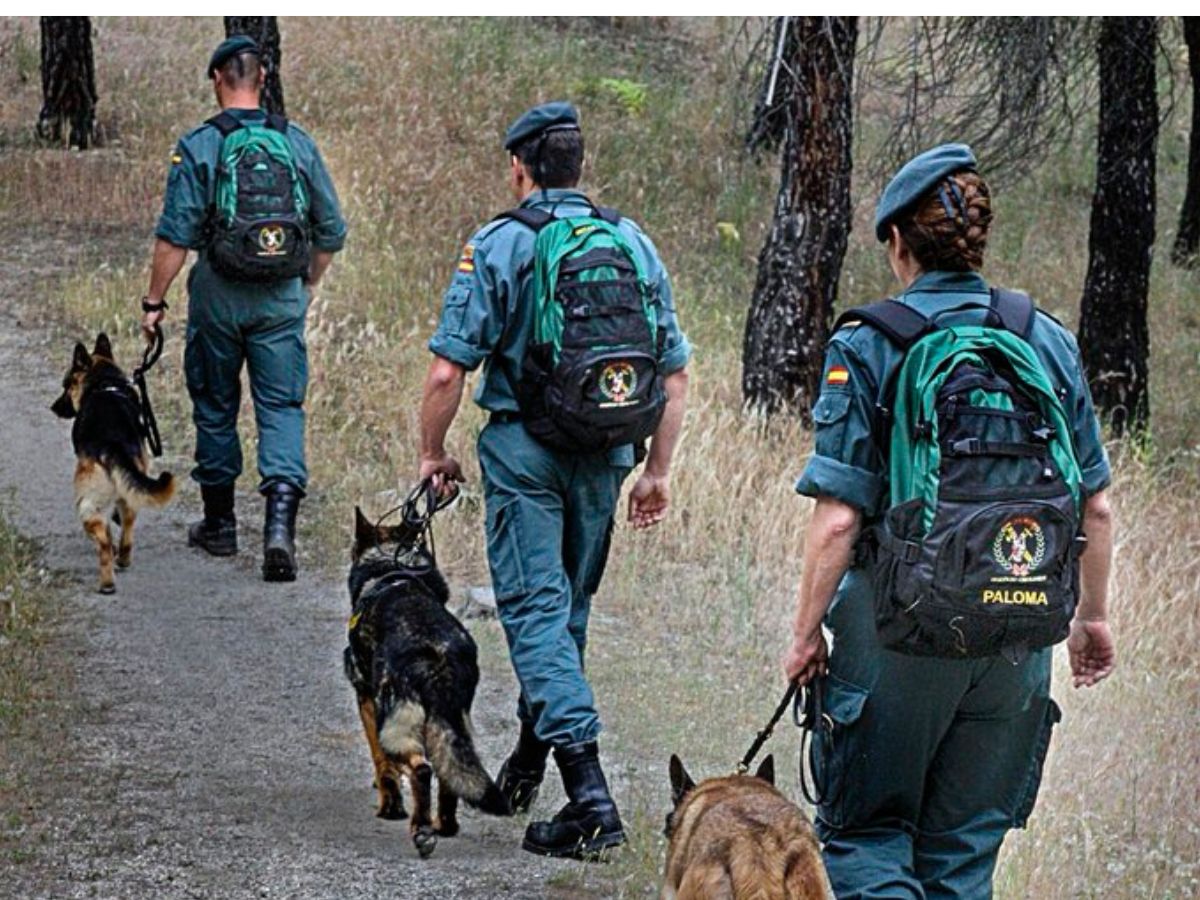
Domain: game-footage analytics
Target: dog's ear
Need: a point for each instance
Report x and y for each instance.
(766, 770)
(364, 532)
(681, 781)
(103, 346)
(82, 360)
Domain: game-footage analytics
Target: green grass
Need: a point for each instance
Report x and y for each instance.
(693, 617)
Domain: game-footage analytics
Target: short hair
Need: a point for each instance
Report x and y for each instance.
(554, 158)
(947, 229)
(241, 70)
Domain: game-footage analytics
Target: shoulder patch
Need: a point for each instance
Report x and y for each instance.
(837, 376)
(466, 262)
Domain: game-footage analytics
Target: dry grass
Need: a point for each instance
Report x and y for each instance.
(693, 617)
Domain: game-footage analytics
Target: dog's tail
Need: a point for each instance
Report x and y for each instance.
(452, 753)
(139, 488)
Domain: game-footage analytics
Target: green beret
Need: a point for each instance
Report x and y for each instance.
(558, 115)
(918, 176)
(230, 47)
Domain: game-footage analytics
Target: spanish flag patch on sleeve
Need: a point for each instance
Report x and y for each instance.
(838, 375)
(466, 262)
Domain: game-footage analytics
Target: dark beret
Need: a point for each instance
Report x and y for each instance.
(558, 115)
(918, 176)
(230, 47)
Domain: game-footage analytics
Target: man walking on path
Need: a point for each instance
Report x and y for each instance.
(250, 193)
(551, 499)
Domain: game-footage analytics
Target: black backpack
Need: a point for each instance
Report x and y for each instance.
(590, 379)
(977, 552)
(258, 226)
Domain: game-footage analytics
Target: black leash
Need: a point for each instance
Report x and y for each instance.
(763, 736)
(808, 713)
(415, 547)
(149, 423)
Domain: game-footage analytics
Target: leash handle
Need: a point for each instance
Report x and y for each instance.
(808, 712)
(149, 423)
(151, 354)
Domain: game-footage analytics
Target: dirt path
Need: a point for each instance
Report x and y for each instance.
(215, 751)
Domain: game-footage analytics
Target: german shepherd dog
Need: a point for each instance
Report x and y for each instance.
(738, 837)
(111, 459)
(414, 668)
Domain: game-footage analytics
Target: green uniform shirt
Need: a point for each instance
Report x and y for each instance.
(487, 310)
(847, 462)
(191, 194)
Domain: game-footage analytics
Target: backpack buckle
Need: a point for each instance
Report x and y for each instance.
(1044, 434)
(967, 447)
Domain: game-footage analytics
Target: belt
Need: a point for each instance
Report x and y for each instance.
(501, 416)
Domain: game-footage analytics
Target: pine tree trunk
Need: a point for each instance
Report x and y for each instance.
(1187, 238)
(265, 30)
(798, 268)
(1113, 335)
(68, 82)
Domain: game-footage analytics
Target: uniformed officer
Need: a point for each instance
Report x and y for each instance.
(549, 513)
(930, 761)
(231, 322)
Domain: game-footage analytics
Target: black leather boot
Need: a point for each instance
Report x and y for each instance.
(279, 532)
(589, 823)
(216, 533)
(523, 771)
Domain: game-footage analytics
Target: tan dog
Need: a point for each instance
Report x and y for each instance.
(738, 838)
(111, 458)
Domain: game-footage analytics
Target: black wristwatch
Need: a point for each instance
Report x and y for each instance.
(147, 306)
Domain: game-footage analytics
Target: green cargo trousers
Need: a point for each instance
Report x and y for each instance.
(549, 524)
(263, 328)
(929, 762)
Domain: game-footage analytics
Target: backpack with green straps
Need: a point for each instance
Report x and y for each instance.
(978, 550)
(590, 378)
(258, 228)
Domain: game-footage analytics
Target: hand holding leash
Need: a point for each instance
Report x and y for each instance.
(442, 472)
(152, 316)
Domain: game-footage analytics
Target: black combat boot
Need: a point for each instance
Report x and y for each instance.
(523, 771)
(279, 532)
(589, 823)
(217, 531)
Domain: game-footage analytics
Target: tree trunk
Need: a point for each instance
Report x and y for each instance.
(68, 81)
(792, 307)
(1113, 335)
(265, 30)
(1187, 239)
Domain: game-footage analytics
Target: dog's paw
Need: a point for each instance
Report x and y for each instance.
(425, 841)
(446, 827)
(392, 809)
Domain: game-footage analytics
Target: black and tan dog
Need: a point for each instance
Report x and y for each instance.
(415, 670)
(738, 837)
(111, 458)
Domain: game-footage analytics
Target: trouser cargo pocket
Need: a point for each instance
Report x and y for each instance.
(835, 751)
(1033, 781)
(504, 541)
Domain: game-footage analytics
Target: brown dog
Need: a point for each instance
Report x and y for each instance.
(111, 458)
(738, 838)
